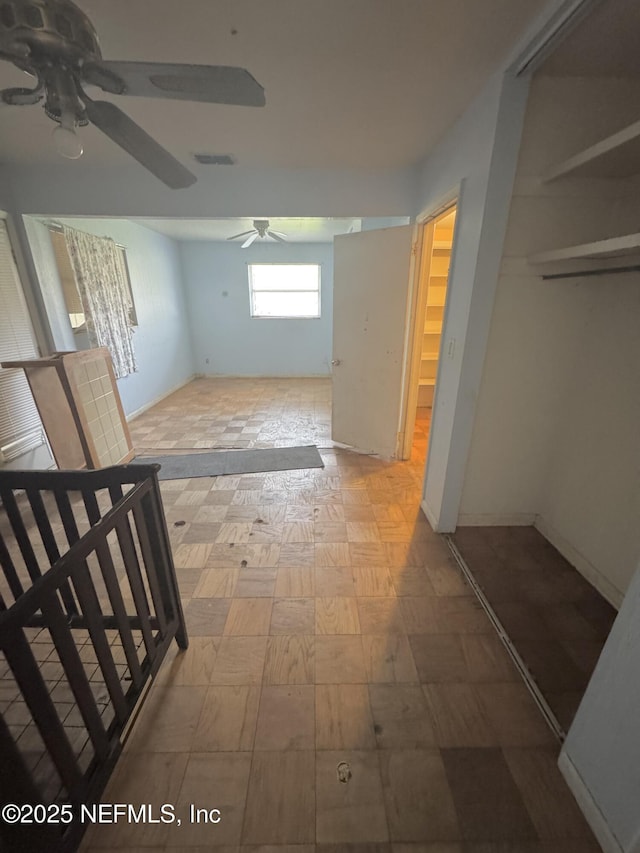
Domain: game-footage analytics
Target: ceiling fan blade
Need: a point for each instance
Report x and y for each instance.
(128, 135)
(244, 234)
(214, 84)
(279, 233)
(276, 236)
(250, 240)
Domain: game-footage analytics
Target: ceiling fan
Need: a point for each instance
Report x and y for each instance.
(260, 229)
(55, 42)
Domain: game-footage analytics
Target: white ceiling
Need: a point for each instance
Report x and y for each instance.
(303, 230)
(605, 44)
(350, 84)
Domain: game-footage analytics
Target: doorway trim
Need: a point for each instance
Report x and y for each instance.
(421, 248)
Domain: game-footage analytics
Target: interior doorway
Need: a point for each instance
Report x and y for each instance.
(435, 245)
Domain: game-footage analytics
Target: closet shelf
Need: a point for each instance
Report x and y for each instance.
(614, 247)
(616, 156)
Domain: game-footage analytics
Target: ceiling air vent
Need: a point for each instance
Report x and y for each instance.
(215, 159)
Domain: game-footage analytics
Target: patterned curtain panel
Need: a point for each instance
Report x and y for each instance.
(99, 270)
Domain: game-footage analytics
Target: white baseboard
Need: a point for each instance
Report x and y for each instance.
(581, 563)
(162, 396)
(496, 519)
(432, 518)
(262, 376)
(588, 806)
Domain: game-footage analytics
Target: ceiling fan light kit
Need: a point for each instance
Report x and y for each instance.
(55, 42)
(262, 230)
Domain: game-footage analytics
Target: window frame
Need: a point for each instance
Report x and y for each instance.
(254, 316)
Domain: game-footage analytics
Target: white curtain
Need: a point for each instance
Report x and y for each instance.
(99, 270)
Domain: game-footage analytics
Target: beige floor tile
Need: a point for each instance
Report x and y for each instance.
(217, 583)
(192, 666)
(330, 514)
(550, 804)
(212, 781)
(411, 581)
(281, 800)
(248, 617)
(286, 717)
(208, 514)
(297, 555)
(337, 616)
(228, 719)
(368, 554)
(206, 616)
(293, 616)
(290, 660)
(420, 616)
(362, 531)
(459, 718)
(256, 582)
(380, 615)
(359, 512)
(396, 531)
(297, 512)
(332, 554)
(343, 717)
(514, 715)
(330, 532)
(487, 659)
(240, 660)
(297, 531)
(191, 498)
(373, 581)
(261, 556)
(295, 582)
(168, 720)
(417, 795)
(236, 532)
(388, 659)
(191, 556)
(155, 780)
(339, 660)
(400, 716)
(352, 811)
(487, 800)
(439, 657)
(333, 581)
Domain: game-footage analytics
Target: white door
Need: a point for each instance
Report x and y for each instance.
(370, 289)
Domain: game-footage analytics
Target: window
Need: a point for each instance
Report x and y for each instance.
(285, 290)
(70, 287)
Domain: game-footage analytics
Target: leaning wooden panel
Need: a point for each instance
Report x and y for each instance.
(77, 397)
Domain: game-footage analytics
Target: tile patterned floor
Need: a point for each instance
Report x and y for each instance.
(342, 687)
(557, 621)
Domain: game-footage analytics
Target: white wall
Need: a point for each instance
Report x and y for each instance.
(555, 435)
(41, 250)
(226, 340)
(475, 160)
(220, 192)
(161, 340)
(601, 755)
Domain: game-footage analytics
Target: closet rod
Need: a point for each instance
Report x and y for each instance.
(584, 273)
(53, 226)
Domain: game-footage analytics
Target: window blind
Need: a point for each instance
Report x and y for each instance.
(20, 425)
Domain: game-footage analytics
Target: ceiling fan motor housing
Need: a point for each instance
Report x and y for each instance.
(38, 32)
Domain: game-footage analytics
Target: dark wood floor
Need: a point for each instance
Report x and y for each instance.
(557, 621)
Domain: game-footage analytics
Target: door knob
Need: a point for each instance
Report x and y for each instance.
(336, 361)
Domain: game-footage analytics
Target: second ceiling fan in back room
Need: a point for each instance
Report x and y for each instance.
(55, 42)
(261, 229)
